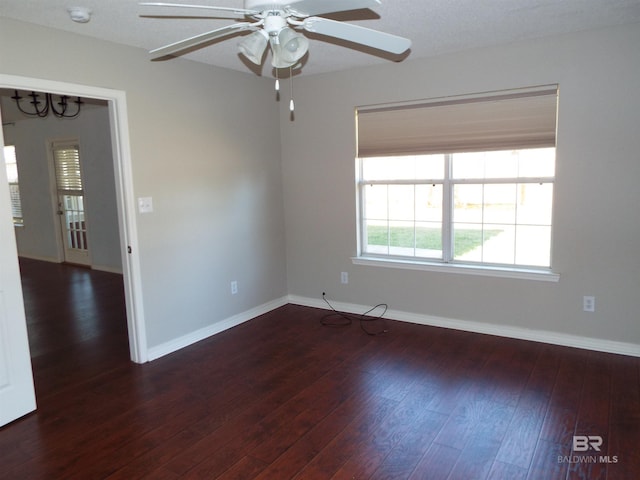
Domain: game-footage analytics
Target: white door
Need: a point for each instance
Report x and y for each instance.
(17, 394)
(69, 192)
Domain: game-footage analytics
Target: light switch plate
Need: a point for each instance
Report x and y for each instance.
(145, 204)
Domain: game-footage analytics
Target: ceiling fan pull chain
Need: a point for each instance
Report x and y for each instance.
(277, 82)
(291, 105)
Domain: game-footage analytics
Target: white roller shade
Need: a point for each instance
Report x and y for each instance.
(506, 120)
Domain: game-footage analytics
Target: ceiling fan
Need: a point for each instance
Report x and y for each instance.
(276, 23)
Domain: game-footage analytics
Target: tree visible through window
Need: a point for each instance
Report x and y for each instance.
(14, 186)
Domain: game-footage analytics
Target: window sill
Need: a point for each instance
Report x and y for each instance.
(465, 269)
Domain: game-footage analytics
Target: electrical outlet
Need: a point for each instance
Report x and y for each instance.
(589, 303)
(234, 287)
(344, 277)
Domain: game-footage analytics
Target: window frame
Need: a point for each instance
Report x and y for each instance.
(447, 263)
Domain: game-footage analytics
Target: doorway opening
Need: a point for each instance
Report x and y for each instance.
(125, 205)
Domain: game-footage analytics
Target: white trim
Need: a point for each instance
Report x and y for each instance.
(210, 330)
(544, 336)
(124, 193)
(107, 268)
(101, 268)
(123, 174)
(465, 269)
(41, 258)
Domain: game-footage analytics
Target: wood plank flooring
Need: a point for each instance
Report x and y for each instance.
(283, 397)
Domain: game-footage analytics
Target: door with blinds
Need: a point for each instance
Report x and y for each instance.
(70, 201)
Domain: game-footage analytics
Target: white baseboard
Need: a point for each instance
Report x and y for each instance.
(171, 346)
(544, 336)
(39, 257)
(101, 268)
(106, 268)
(554, 338)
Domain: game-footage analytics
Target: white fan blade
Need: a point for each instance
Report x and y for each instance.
(200, 39)
(306, 8)
(239, 11)
(354, 33)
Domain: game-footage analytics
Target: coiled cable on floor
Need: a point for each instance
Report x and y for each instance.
(346, 319)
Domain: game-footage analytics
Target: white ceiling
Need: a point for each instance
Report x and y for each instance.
(435, 26)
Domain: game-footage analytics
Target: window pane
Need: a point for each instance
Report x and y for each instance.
(412, 167)
(467, 203)
(477, 243)
(375, 202)
(529, 163)
(537, 162)
(467, 165)
(377, 235)
(502, 164)
(401, 202)
(535, 202)
(430, 167)
(429, 203)
(429, 240)
(402, 238)
(473, 165)
(533, 245)
(500, 204)
(499, 244)
(404, 220)
(467, 242)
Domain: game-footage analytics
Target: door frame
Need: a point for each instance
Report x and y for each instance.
(119, 125)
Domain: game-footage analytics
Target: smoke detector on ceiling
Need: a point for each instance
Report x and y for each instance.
(79, 14)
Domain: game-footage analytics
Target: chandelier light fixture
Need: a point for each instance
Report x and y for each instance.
(42, 107)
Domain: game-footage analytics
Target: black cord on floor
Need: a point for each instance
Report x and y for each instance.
(346, 319)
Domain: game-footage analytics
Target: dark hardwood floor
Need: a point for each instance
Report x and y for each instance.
(284, 397)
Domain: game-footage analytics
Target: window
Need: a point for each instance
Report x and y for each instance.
(465, 181)
(14, 186)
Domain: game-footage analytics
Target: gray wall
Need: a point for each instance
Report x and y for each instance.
(596, 227)
(205, 144)
(220, 160)
(31, 137)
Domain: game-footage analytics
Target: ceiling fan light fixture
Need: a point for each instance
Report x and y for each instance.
(277, 58)
(253, 46)
(293, 46)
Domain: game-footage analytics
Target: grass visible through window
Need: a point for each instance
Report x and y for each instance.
(465, 240)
